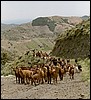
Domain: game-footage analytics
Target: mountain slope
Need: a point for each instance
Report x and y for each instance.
(74, 43)
(38, 34)
(7, 26)
(20, 47)
(40, 27)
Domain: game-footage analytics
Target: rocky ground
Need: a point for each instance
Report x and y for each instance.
(66, 89)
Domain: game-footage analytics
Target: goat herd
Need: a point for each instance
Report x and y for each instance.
(46, 72)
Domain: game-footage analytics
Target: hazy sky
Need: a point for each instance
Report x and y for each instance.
(12, 10)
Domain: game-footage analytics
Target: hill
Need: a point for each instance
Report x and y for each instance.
(85, 17)
(7, 26)
(20, 47)
(74, 43)
(40, 27)
(38, 34)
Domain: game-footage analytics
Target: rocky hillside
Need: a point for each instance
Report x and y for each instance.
(40, 27)
(57, 24)
(7, 26)
(74, 43)
(38, 34)
(20, 47)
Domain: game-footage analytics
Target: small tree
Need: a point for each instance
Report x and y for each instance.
(4, 58)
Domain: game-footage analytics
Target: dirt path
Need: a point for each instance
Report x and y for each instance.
(66, 89)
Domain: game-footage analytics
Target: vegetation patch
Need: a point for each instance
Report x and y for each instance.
(74, 43)
(42, 21)
(85, 69)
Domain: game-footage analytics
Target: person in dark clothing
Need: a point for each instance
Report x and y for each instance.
(59, 61)
(75, 60)
(80, 67)
(68, 60)
(54, 61)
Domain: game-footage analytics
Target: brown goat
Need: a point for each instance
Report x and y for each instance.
(41, 72)
(26, 75)
(17, 75)
(34, 78)
(54, 73)
(71, 72)
(45, 73)
(61, 72)
(48, 73)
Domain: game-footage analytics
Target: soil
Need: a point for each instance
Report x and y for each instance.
(65, 89)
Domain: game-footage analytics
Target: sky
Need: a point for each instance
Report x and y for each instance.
(15, 11)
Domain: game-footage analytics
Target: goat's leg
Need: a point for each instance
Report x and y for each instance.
(72, 76)
(35, 82)
(50, 79)
(25, 80)
(45, 78)
(53, 80)
(42, 80)
(16, 79)
(31, 81)
(60, 75)
(56, 79)
(19, 79)
(22, 80)
(39, 80)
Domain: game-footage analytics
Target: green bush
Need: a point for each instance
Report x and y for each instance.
(85, 68)
(51, 25)
(41, 21)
